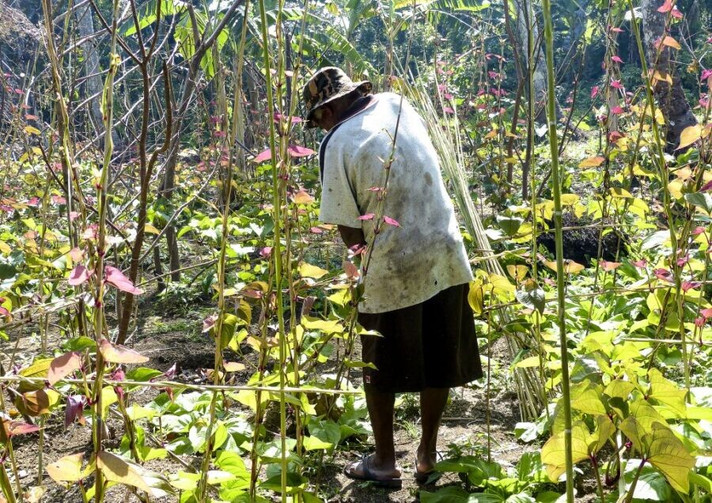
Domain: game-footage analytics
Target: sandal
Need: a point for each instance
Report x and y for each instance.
(361, 470)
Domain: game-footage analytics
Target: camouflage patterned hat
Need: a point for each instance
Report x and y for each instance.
(326, 85)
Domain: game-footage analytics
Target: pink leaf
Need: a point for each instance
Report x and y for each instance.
(448, 110)
(615, 29)
(78, 275)
(616, 84)
(699, 322)
(689, 285)
(663, 274)
(683, 260)
(20, 428)
(263, 156)
(278, 116)
(62, 366)
(640, 263)
(116, 277)
(698, 230)
(4, 312)
(676, 13)
(706, 74)
(616, 110)
(665, 7)
(297, 151)
(391, 221)
(617, 59)
(367, 216)
(609, 266)
(115, 353)
(707, 313)
(594, 92)
(266, 252)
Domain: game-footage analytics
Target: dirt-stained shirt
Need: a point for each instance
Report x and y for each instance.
(418, 254)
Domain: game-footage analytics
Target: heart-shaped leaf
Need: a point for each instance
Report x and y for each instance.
(116, 353)
(62, 366)
(116, 277)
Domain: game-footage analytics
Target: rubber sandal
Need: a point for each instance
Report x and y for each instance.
(368, 476)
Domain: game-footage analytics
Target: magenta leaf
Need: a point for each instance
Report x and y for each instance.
(78, 275)
(75, 407)
(663, 274)
(707, 186)
(116, 277)
(297, 151)
(617, 84)
(690, 285)
(367, 216)
(594, 92)
(617, 59)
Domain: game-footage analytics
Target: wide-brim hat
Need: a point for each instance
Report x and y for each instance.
(328, 84)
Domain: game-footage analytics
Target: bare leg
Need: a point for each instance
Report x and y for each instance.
(380, 411)
(432, 405)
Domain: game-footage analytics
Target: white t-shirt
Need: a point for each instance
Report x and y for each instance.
(425, 255)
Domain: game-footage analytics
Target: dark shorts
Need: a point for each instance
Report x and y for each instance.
(429, 345)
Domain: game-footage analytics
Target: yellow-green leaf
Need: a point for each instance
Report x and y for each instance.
(592, 162)
(553, 454)
(475, 297)
(667, 393)
(67, 468)
(307, 270)
(668, 454)
(32, 130)
(117, 469)
(689, 136)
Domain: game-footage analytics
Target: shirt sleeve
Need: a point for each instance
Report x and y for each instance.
(338, 198)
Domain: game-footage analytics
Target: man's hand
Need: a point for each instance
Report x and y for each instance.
(351, 236)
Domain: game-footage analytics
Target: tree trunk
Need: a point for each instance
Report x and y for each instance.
(670, 99)
(92, 84)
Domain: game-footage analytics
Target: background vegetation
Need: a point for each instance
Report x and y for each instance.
(157, 179)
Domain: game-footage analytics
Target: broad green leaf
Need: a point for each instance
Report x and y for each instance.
(334, 326)
(667, 393)
(553, 453)
(668, 454)
(313, 443)
(701, 200)
(586, 397)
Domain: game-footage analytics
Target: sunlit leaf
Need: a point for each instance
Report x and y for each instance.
(115, 277)
(63, 365)
(671, 42)
(67, 468)
(79, 275)
(689, 136)
(307, 270)
(302, 197)
(669, 455)
(116, 353)
(117, 469)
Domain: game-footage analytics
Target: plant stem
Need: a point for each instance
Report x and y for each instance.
(556, 189)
